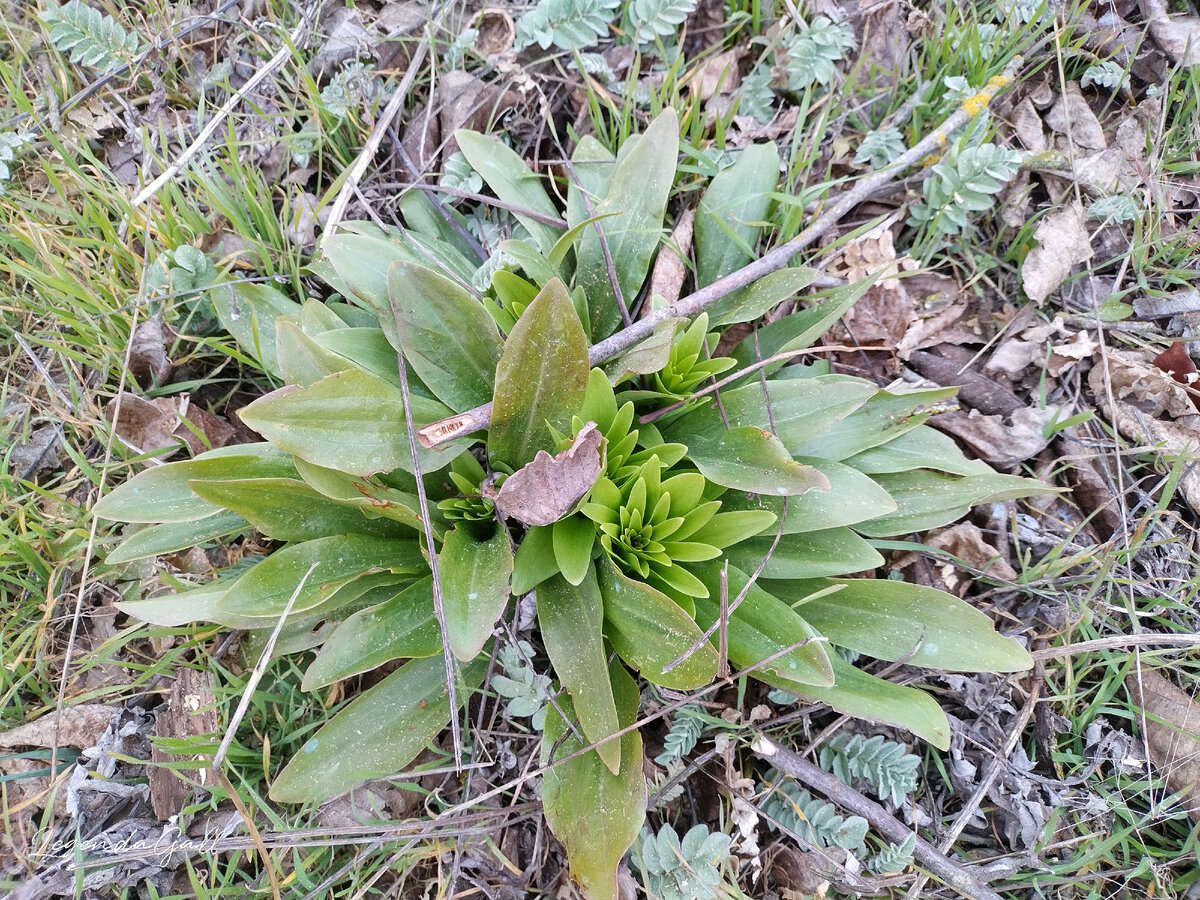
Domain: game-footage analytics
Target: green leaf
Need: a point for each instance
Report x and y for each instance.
(832, 551)
(248, 312)
(571, 619)
(448, 338)
(198, 604)
(573, 540)
(638, 192)
(727, 217)
(882, 418)
(351, 421)
(265, 590)
(367, 495)
(513, 182)
(645, 357)
(750, 459)
(761, 627)
(301, 359)
(855, 693)
(535, 560)
(361, 263)
(475, 580)
(400, 627)
(759, 298)
(541, 379)
(852, 498)
(592, 172)
(595, 813)
(380, 732)
(287, 509)
(922, 448)
(162, 494)
(154, 540)
(649, 631)
(930, 499)
(368, 349)
(889, 619)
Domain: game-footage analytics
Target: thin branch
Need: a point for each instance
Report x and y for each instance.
(945, 870)
(772, 261)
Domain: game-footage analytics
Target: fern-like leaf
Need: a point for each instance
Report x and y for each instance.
(682, 870)
(886, 765)
(1118, 209)
(1106, 74)
(879, 148)
(810, 819)
(11, 142)
(654, 19)
(566, 24)
(813, 52)
(964, 184)
(93, 39)
(894, 858)
(682, 737)
(755, 96)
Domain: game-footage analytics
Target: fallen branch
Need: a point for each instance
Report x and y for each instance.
(928, 856)
(772, 261)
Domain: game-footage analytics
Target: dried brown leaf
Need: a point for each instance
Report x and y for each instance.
(164, 422)
(1063, 241)
(78, 726)
(1172, 721)
(1178, 36)
(148, 361)
(671, 268)
(1071, 116)
(547, 488)
(1002, 441)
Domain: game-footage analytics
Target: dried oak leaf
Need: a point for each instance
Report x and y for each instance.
(548, 487)
(1063, 241)
(1172, 721)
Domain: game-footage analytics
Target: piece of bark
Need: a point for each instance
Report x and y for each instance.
(1172, 721)
(190, 712)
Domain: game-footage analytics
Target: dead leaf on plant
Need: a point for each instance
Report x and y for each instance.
(1177, 36)
(146, 425)
(546, 489)
(1063, 241)
(1172, 721)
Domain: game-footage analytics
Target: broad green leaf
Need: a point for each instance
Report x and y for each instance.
(638, 192)
(534, 561)
(265, 590)
(301, 359)
(351, 421)
(594, 813)
(852, 498)
(801, 409)
(730, 210)
(541, 380)
(863, 696)
(886, 415)
(287, 509)
(927, 499)
(759, 298)
(572, 621)
(649, 631)
(814, 554)
(592, 170)
(402, 627)
(199, 604)
(154, 540)
(573, 540)
(248, 312)
(316, 318)
(922, 448)
(448, 338)
(532, 263)
(370, 350)
(800, 329)
(506, 174)
(162, 494)
(750, 459)
(558, 253)
(368, 496)
(475, 578)
(424, 215)
(361, 263)
(890, 619)
(763, 627)
(377, 734)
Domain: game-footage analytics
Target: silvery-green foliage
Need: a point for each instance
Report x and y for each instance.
(813, 52)
(457, 51)
(1118, 209)
(179, 272)
(11, 142)
(655, 786)
(810, 819)
(354, 83)
(526, 690)
(93, 38)
(755, 96)
(653, 19)
(980, 38)
(886, 765)
(458, 174)
(593, 64)
(879, 148)
(682, 870)
(681, 739)
(957, 87)
(894, 858)
(963, 184)
(1024, 10)
(1106, 74)
(781, 698)
(566, 24)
